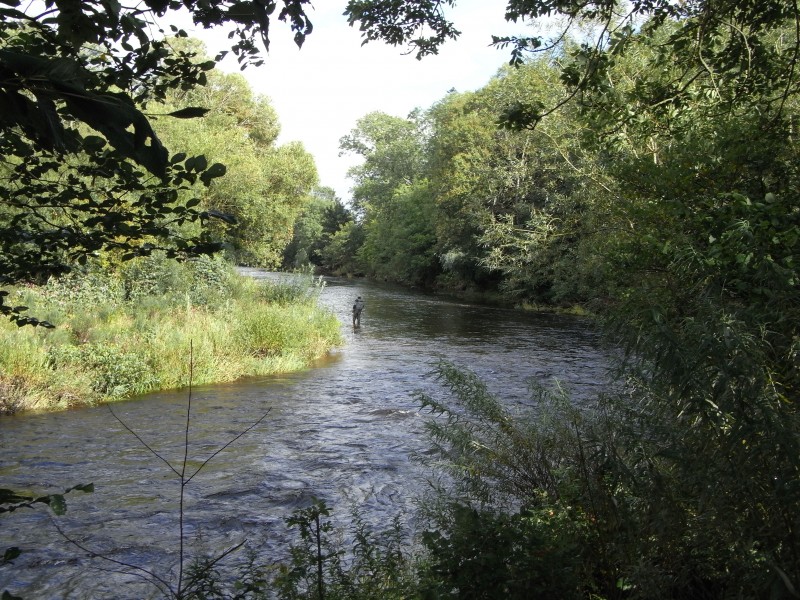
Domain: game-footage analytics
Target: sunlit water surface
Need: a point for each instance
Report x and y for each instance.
(343, 431)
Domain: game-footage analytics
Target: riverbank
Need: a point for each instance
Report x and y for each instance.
(112, 341)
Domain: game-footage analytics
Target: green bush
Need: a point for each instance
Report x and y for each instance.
(116, 372)
(621, 500)
(519, 516)
(211, 280)
(153, 276)
(374, 566)
(485, 554)
(297, 289)
(86, 287)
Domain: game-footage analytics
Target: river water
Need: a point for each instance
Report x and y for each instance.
(343, 431)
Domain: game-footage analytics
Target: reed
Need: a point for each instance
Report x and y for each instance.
(113, 348)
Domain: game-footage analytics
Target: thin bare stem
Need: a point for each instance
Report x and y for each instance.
(129, 569)
(143, 443)
(253, 426)
(161, 583)
(184, 481)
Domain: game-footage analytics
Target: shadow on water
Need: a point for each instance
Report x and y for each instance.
(342, 431)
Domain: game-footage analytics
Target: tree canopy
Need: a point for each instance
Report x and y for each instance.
(83, 170)
(266, 185)
(648, 167)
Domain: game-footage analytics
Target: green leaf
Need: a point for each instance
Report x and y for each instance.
(191, 112)
(57, 504)
(11, 553)
(94, 143)
(214, 171)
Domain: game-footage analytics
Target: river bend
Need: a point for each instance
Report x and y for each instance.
(342, 431)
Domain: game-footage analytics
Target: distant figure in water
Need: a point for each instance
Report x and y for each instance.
(357, 308)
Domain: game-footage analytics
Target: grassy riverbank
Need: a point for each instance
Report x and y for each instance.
(131, 333)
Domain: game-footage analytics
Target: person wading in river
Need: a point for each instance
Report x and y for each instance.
(357, 308)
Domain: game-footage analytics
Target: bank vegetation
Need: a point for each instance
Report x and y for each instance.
(120, 334)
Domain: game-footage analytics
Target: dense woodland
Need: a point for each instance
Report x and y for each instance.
(644, 165)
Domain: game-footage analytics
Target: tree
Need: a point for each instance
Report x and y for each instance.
(691, 109)
(267, 185)
(513, 207)
(320, 220)
(400, 237)
(82, 167)
(392, 149)
(544, 193)
(340, 255)
(392, 196)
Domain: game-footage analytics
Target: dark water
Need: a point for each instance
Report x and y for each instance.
(342, 431)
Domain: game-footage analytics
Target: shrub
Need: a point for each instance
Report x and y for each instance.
(116, 372)
(517, 516)
(376, 566)
(298, 289)
(84, 287)
(636, 504)
(484, 554)
(153, 275)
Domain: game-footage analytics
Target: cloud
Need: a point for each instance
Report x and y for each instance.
(321, 90)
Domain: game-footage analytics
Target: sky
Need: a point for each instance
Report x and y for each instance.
(322, 89)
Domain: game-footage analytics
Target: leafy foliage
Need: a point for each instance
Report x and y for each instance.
(531, 554)
(314, 229)
(82, 167)
(392, 198)
(339, 256)
(267, 186)
(398, 22)
(375, 566)
(11, 500)
(514, 207)
(619, 500)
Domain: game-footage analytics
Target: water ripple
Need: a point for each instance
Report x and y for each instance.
(343, 431)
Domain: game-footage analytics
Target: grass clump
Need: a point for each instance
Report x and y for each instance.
(124, 333)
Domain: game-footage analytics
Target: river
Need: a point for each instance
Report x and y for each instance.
(343, 431)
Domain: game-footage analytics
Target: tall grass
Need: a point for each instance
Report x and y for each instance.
(127, 334)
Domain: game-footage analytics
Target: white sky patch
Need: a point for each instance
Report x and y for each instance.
(321, 90)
